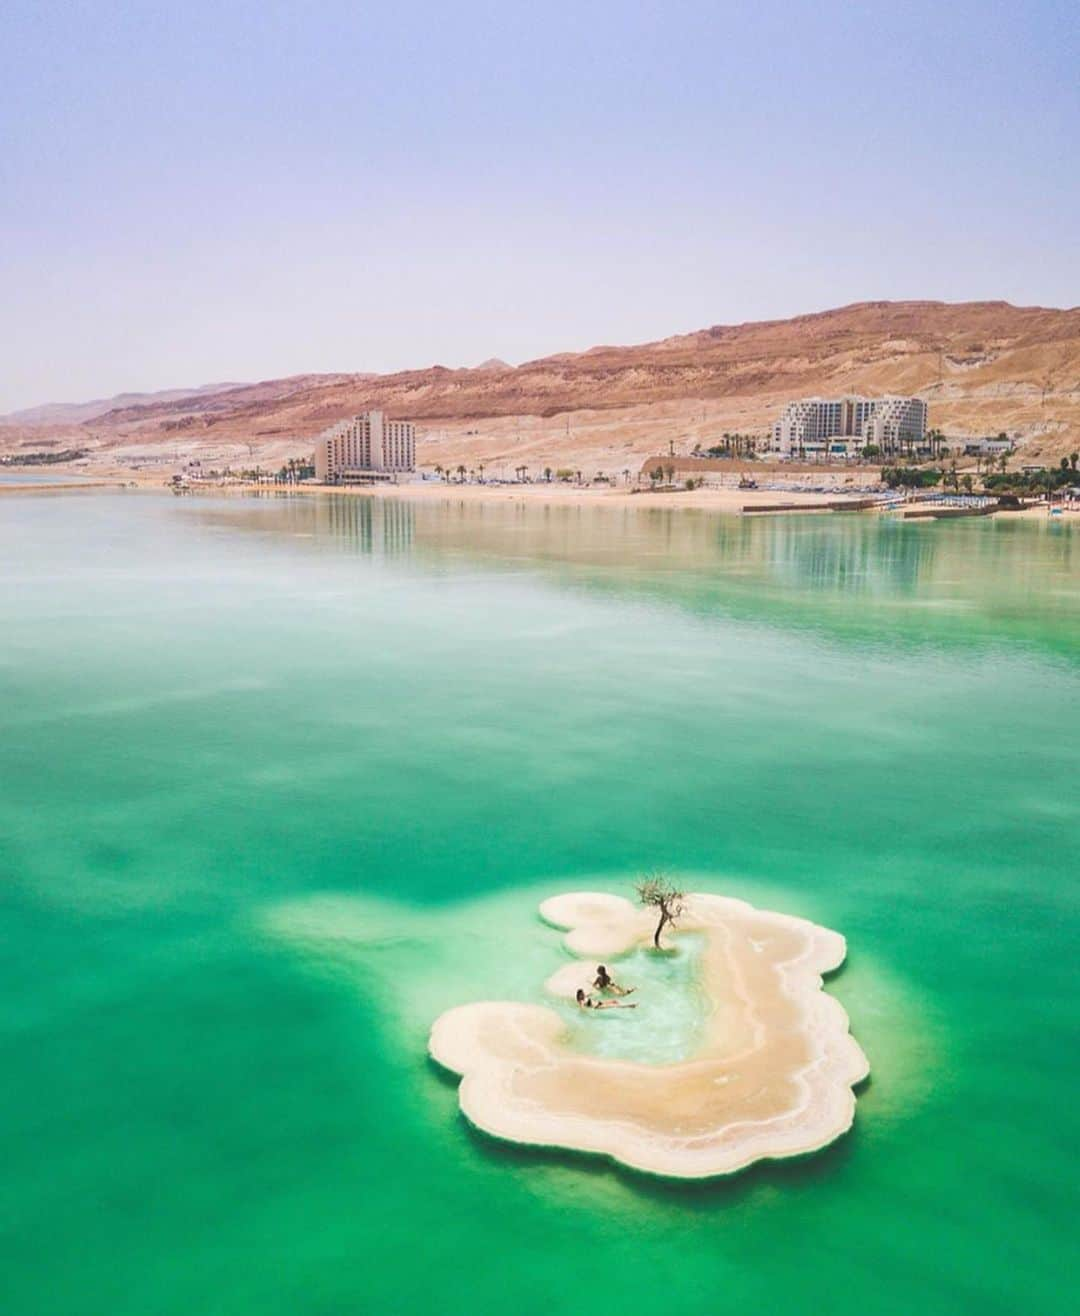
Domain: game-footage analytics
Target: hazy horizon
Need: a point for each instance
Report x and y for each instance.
(253, 191)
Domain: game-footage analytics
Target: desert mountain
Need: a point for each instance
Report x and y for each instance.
(982, 366)
(77, 413)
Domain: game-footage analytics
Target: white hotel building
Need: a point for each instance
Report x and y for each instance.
(365, 449)
(838, 427)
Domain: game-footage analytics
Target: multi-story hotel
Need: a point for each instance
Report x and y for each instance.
(896, 423)
(837, 426)
(365, 448)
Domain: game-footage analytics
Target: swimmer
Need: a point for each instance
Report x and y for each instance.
(604, 982)
(587, 1003)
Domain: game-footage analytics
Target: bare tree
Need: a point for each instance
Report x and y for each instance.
(656, 891)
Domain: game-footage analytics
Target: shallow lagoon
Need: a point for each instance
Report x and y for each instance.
(227, 726)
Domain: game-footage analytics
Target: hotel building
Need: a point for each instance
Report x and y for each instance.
(837, 427)
(365, 448)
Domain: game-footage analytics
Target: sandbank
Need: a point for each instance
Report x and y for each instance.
(772, 1076)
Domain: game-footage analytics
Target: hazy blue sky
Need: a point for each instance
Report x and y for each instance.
(193, 192)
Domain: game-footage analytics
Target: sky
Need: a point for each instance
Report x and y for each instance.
(195, 192)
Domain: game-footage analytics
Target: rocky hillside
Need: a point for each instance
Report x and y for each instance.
(982, 366)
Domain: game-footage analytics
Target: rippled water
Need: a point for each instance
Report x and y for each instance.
(282, 778)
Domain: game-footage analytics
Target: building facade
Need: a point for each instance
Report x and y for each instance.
(987, 447)
(365, 448)
(842, 426)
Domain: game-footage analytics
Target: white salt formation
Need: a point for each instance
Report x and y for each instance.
(773, 1076)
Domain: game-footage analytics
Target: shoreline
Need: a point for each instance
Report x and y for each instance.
(708, 498)
(65, 486)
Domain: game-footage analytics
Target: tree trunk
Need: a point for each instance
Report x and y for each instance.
(660, 928)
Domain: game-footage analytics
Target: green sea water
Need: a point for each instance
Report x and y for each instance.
(282, 778)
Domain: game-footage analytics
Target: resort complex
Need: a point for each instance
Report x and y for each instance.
(365, 449)
(842, 427)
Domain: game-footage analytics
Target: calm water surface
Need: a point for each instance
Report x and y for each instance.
(280, 779)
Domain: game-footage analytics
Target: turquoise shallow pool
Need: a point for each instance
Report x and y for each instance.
(280, 779)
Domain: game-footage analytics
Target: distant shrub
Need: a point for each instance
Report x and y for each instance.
(44, 458)
(910, 477)
(1030, 481)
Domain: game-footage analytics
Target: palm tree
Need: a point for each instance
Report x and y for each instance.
(461, 474)
(547, 474)
(1074, 457)
(480, 468)
(438, 469)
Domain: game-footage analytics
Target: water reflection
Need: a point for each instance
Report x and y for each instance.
(379, 527)
(383, 526)
(863, 556)
(860, 575)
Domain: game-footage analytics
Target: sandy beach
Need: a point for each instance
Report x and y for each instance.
(824, 487)
(803, 490)
(707, 497)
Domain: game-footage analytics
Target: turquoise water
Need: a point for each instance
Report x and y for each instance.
(280, 779)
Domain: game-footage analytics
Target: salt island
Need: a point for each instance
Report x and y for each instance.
(772, 1074)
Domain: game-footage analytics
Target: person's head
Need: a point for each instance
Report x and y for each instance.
(580, 995)
(601, 972)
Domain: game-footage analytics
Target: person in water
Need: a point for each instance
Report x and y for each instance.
(604, 982)
(587, 1003)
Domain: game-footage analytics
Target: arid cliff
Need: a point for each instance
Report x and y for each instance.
(982, 366)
